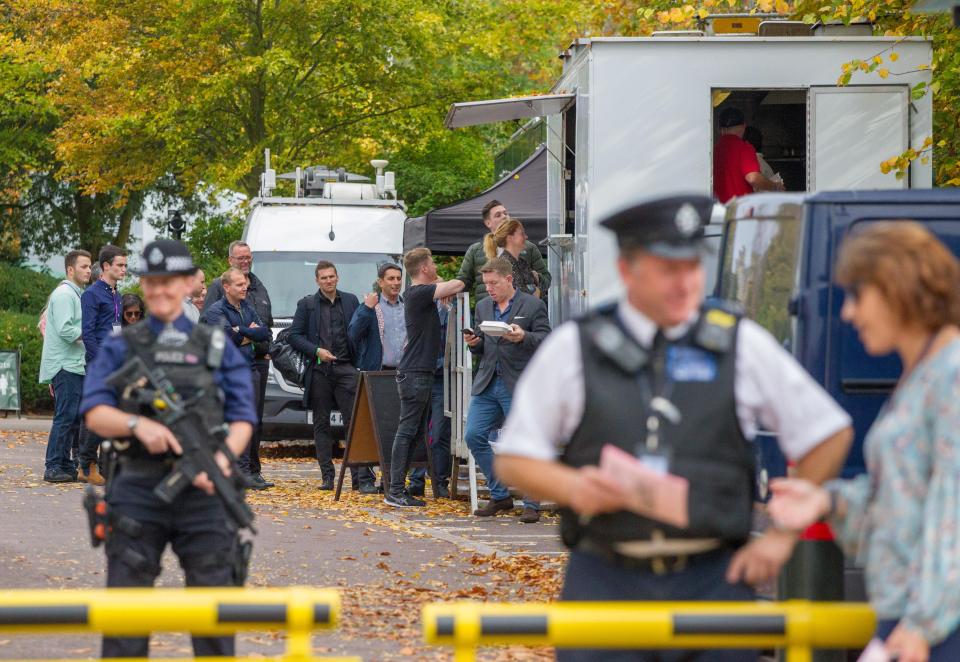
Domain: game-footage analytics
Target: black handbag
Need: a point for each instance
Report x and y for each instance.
(291, 363)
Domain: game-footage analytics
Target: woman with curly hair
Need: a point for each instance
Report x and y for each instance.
(901, 519)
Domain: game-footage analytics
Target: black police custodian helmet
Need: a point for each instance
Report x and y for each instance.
(166, 257)
(671, 227)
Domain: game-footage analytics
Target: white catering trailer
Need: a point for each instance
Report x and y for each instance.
(631, 117)
(348, 219)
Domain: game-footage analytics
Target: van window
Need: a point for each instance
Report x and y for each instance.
(289, 276)
(758, 269)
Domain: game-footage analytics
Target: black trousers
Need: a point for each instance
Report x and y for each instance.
(589, 577)
(250, 459)
(89, 447)
(196, 527)
(334, 387)
(414, 389)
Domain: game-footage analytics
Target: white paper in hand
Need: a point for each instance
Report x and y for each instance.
(659, 496)
(875, 652)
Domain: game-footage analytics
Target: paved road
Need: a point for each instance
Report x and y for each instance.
(385, 562)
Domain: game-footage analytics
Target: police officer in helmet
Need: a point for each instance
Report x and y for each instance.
(681, 386)
(216, 377)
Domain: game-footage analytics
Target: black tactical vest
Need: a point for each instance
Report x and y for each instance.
(707, 446)
(189, 364)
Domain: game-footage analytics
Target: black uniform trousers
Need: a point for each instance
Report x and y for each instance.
(195, 525)
(590, 577)
(334, 387)
(249, 461)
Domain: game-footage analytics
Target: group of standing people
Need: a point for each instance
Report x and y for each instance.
(78, 317)
(678, 384)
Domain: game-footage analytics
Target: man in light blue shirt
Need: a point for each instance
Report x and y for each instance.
(62, 364)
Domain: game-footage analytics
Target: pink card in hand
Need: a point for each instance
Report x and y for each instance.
(655, 495)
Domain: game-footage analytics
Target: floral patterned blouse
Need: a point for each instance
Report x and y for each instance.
(902, 516)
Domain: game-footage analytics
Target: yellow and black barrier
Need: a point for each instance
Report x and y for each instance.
(797, 626)
(126, 612)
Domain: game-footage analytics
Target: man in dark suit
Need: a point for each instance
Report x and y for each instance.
(319, 330)
(502, 359)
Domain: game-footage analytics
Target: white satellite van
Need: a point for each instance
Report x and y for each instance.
(348, 219)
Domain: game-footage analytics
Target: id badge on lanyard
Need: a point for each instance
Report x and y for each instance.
(116, 314)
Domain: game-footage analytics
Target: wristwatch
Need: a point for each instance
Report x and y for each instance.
(132, 423)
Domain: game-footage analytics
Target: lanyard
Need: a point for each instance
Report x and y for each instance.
(656, 386)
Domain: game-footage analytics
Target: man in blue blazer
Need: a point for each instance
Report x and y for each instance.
(378, 331)
(319, 331)
(502, 359)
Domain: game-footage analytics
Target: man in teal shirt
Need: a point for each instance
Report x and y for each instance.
(62, 364)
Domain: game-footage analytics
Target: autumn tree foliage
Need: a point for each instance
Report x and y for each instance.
(109, 101)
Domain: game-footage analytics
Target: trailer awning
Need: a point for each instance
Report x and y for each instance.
(500, 110)
(450, 230)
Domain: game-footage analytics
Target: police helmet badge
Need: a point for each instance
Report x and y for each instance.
(687, 220)
(155, 258)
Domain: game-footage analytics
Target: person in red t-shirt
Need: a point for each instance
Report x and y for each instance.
(736, 170)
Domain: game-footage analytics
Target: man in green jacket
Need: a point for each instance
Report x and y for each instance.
(495, 213)
(62, 364)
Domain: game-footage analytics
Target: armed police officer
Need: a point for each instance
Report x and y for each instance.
(680, 385)
(188, 368)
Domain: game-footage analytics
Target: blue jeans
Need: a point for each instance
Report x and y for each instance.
(67, 389)
(415, 390)
(488, 411)
(439, 440)
(947, 650)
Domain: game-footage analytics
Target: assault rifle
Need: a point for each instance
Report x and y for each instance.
(152, 388)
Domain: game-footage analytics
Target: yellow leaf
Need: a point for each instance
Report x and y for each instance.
(702, 12)
(942, 143)
(765, 5)
(676, 15)
(883, 73)
(885, 167)
(877, 59)
(894, 57)
(782, 6)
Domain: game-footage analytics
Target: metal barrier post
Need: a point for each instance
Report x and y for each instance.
(123, 612)
(796, 626)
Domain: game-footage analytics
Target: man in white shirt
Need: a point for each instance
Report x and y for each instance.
(680, 386)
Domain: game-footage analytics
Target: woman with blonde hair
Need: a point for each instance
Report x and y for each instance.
(508, 241)
(902, 518)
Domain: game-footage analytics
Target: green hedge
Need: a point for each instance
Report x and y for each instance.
(24, 290)
(20, 330)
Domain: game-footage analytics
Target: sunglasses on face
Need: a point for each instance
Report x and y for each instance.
(132, 314)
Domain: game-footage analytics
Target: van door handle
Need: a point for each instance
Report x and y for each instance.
(793, 306)
(867, 386)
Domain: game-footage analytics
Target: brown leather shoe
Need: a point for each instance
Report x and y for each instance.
(494, 506)
(530, 515)
(93, 475)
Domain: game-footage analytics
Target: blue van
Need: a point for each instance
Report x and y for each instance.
(777, 260)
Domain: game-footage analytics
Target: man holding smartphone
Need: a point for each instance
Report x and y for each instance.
(502, 359)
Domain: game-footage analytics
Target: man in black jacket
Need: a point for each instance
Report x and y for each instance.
(319, 330)
(240, 257)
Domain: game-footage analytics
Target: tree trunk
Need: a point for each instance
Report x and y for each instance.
(83, 206)
(130, 210)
